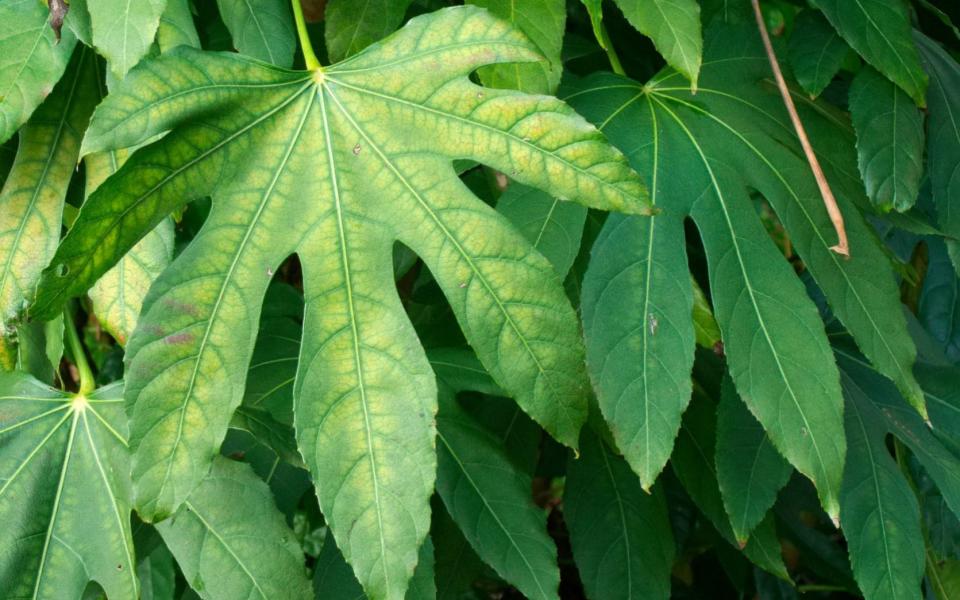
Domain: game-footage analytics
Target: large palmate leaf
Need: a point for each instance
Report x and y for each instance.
(880, 32)
(31, 61)
(64, 494)
(231, 541)
(705, 152)
(31, 202)
(335, 165)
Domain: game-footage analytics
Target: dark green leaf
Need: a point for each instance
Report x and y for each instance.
(553, 227)
(880, 32)
(750, 471)
(674, 27)
(889, 130)
(939, 309)
(943, 139)
(489, 498)
(231, 541)
(878, 510)
(694, 462)
(637, 304)
(815, 51)
(620, 534)
(352, 25)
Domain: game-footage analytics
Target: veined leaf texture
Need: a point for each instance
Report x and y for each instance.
(417, 299)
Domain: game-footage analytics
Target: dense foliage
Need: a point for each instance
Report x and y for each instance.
(517, 298)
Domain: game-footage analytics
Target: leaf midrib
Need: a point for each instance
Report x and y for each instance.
(354, 330)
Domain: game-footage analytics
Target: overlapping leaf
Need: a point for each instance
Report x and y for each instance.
(694, 462)
(620, 535)
(889, 140)
(543, 21)
(880, 515)
(886, 544)
(231, 541)
(118, 295)
(939, 308)
(943, 139)
(64, 494)
(750, 471)
(704, 152)
(553, 227)
(261, 28)
(880, 32)
(31, 61)
(123, 30)
(674, 27)
(31, 202)
(815, 51)
(335, 165)
(353, 25)
(489, 497)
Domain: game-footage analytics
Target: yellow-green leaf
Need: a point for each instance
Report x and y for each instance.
(64, 494)
(31, 61)
(336, 165)
(31, 202)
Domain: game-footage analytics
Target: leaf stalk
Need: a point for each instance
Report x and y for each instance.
(607, 45)
(87, 380)
(309, 57)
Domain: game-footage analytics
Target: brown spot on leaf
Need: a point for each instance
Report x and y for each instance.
(182, 307)
(178, 338)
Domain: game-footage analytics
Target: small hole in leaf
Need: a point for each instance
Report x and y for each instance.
(62, 270)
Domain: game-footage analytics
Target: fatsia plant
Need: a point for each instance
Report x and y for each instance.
(417, 299)
(334, 164)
